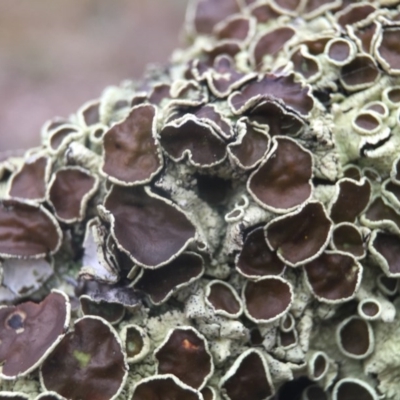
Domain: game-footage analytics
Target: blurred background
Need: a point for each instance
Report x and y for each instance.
(56, 54)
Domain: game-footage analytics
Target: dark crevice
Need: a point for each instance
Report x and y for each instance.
(293, 390)
(213, 189)
(320, 181)
(373, 146)
(324, 97)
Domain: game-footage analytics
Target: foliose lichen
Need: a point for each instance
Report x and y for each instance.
(221, 228)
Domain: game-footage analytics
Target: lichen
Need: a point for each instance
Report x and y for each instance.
(233, 217)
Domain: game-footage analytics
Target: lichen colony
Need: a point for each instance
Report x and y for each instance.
(224, 227)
